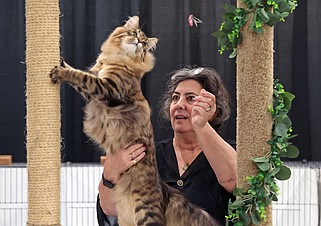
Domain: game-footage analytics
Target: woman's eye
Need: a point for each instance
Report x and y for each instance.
(190, 99)
(175, 98)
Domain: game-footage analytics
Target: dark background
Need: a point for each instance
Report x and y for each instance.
(85, 24)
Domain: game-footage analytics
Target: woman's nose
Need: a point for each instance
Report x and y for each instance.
(181, 103)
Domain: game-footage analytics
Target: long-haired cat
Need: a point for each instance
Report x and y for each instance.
(117, 114)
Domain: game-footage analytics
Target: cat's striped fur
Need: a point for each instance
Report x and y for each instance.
(118, 114)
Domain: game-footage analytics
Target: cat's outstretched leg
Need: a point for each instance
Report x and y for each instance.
(75, 78)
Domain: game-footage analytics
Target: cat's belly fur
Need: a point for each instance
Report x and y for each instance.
(112, 128)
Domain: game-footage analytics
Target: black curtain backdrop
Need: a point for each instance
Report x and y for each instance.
(85, 24)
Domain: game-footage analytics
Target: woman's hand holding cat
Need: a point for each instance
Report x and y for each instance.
(114, 166)
(120, 161)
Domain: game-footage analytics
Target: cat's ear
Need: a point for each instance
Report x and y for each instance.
(151, 43)
(132, 23)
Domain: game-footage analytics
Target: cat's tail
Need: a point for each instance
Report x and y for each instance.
(181, 212)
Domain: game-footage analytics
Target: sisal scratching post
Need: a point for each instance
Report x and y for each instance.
(43, 113)
(254, 95)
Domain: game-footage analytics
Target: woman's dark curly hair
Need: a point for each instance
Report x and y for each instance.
(210, 80)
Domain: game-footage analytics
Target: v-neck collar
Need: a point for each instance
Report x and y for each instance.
(192, 165)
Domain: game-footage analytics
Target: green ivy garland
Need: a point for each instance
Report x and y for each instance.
(264, 12)
(251, 203)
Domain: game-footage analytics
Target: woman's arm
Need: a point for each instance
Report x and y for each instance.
(115, 164)
(221, 156)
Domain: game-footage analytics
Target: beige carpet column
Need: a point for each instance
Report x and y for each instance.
(254, 95)
(43, 113)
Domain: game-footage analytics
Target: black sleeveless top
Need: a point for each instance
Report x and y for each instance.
(198, 183)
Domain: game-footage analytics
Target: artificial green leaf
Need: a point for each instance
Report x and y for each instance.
(258, 30)
(260, 159)
(279, 118)
(282, 154)
(245, 218)
(287, 122)
(236, 204)
(235, 42)
(287, 103)
(253, 21)
(228, 26)
(255, 217)
(282, 112)
(238, 191)
(284, 14)
(292, 151)
(280, 129)
(275, 171)
(254, 2)
(217, 34)
(274, 198)
(274, 18)
(233, 54)
(284, 173)
(239, 40)
(265, 166)
(268, 200)
(280, 1)
(228, 16)
(280, 146)
(229, 8)
(284, 7)
(223, 41)
(292, 136)
(289, 95)
(263, 15)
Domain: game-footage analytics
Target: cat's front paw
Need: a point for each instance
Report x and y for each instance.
(56, 74)
(62, 62)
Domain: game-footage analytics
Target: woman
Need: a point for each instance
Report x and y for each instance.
(197, 160)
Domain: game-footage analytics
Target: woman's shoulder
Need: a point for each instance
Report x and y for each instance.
(163, 146)
(165, 142)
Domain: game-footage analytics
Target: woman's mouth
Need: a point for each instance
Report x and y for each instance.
(180, 117)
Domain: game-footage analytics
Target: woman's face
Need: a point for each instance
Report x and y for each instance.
(182, 105)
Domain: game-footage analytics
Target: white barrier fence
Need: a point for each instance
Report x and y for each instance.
(298, 205)
(79, 188)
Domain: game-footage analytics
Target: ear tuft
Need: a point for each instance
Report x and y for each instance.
(151, 43)
(132, 23)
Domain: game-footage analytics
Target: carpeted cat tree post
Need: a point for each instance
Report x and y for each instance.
(254, 95)
(43, 113)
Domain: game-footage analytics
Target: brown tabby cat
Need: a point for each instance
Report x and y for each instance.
(118, 114)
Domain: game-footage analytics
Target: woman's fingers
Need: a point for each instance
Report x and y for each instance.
(135, 150)
(135, 153)
(138, 158)
(206, 101)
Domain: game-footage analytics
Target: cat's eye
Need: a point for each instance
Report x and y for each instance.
(132, 33)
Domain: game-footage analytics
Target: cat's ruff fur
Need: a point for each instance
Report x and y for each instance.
(118, 114)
